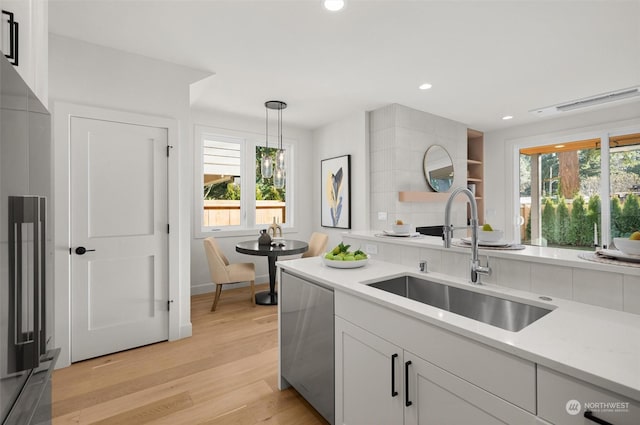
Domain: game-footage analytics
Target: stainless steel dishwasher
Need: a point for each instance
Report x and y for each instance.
(307, 341)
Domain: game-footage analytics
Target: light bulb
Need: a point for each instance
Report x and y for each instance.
(266, 166)
(280, 158)
(333, 5)
(278, 178)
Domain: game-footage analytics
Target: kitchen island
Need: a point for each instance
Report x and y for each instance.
(577, 352)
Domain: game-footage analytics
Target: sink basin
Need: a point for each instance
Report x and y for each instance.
(506, 314)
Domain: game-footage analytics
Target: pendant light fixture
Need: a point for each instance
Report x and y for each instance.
(267, 163)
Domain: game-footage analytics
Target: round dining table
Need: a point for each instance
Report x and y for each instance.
(272, 252)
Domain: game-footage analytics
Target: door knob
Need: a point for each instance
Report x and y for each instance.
(81, 250)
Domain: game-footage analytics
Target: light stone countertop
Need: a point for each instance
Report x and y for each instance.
(535, 254)
(594, 344)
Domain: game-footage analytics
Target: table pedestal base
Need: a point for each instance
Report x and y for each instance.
(267, 298)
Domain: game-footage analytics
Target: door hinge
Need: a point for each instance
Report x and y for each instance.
(169, 147)
(169, 305)
(168, 227)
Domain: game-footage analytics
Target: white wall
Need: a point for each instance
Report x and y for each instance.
(400, 137)
(349, 136)
(499, 146)
(303, 193)
(92, 75)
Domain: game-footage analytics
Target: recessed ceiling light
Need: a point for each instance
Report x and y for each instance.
(425, 86)
(333, 5)
(507, 117)
(559, 146)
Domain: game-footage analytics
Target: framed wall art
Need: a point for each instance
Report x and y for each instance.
(335, 182)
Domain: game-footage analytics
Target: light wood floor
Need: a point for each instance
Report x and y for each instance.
(224, 374)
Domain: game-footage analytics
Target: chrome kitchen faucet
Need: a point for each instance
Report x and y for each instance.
(447, 233)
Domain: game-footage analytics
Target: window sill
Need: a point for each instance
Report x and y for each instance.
(201, 234)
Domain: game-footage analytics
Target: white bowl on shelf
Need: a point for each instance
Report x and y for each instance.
(628, 246)
(490, 235)
(402, 228)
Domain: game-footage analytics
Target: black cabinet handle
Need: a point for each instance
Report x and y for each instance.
(13, 38)
(407, 402)
(393, 375)
(82, 250)
(589, 415)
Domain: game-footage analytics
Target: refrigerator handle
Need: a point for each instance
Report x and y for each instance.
(42, 262)
(24, 300)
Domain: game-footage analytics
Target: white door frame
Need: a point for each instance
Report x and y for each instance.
(62, 113)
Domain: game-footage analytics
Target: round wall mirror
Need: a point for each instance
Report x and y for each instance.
(438, 168)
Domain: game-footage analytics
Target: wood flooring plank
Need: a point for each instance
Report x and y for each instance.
(226, 373)
(149, 412)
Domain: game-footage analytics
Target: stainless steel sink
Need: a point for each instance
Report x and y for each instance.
(506, 314)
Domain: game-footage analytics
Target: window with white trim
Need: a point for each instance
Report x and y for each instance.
(231, 195)
(563, 185)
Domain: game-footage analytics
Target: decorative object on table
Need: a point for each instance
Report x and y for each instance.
(438, 168)
(264, 238)
(335, 183)
(222, 272)
(267, 166)
(274, 229)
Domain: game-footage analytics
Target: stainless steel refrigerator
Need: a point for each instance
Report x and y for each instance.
(26, 285)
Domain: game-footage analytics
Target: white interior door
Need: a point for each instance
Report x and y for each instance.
(119, 286)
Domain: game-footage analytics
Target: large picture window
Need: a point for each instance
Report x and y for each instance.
(231, 194)
(563, 185)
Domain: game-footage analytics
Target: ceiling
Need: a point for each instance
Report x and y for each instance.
(485, 59)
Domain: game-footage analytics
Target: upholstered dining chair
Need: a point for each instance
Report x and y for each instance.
(223, 273)
(317, 245)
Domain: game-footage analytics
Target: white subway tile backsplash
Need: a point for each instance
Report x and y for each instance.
(382, 139)
(416, 120)
(382, 118)
(553, 281)
(598, 288)
(446, 129)
(407, 138)
(433, 257)
(631, 293)
(422, 143)
(513, 274)
(403, 159)
(381, 181)
(456, 264)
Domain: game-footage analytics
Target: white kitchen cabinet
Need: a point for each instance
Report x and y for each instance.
(439, 397)
(378, 382)
(33, 42)
(365, 365)
(470, 360)
(563, 400)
